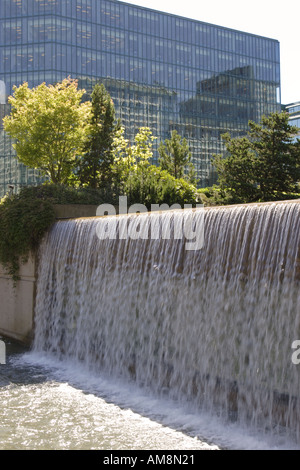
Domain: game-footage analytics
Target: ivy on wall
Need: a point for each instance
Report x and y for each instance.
(23, 222)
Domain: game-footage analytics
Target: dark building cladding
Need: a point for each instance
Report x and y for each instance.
(162, 71)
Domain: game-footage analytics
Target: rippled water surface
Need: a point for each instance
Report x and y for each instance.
(50, 405)
(40, 412)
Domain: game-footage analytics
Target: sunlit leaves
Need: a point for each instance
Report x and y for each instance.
(49, 124)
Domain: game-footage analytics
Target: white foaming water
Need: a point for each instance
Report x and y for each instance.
(132, 417)
(209, 329)
(45, 412)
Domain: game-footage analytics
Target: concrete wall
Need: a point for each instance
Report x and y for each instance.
(17, 304)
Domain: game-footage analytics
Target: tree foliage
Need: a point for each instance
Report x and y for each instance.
(175, 157)
(95, 164)
(49, 125)
(142, 182)
(265, 164)
(133, 158)
(157, 186)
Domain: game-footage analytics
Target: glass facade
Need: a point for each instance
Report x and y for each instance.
(294, 111)
(162, 71)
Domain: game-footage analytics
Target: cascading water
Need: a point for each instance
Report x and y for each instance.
(213, 326)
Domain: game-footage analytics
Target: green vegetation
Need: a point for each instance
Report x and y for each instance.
(142, 182)
(264, 166)
(62, 194)
(175, 158)
(157, 186)
(94, 167)
(23, 222)
(83, 152)
(50, 125)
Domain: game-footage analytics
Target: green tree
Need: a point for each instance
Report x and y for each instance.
(175, 157)
(95, 165)
(49, 125)
(277, 164)
(142, 182)
(263, 165)
(132, 159)
(236, 172)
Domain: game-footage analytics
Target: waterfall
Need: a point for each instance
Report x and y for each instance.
(212, 327)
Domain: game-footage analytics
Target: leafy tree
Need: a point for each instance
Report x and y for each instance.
(49, 125)
(175, 157)
(277, 164)
(263, 165)
(145, 183)
(134, 158)
(236, 171)
(95, 166)
(141, 152)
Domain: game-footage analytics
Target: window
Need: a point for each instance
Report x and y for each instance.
(2, 92)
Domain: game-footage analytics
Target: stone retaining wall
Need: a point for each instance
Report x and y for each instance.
(17, 303)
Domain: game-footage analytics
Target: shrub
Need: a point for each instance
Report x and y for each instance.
(152, 185)
(61, 194)
(23, 223)
(215, 196)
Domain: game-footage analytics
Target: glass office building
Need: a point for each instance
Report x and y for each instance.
(162, 71)
(294, 115)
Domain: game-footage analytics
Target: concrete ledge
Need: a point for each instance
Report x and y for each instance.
(17, 304)
(73, 211)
